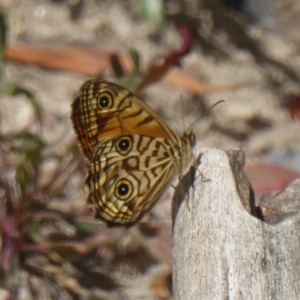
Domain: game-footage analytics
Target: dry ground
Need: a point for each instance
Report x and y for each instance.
(265, 61)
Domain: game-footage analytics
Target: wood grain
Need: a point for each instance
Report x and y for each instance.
(223, 252)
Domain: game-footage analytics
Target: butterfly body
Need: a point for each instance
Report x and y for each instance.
(130, 152)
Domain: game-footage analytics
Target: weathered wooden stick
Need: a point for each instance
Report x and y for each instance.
(220, 250)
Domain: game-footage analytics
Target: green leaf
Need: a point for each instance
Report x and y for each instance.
(133, 80)
(33, 229)
(3, 35)
(86, 227)
(30, 148)
(31, 145)
(152, 11)
(14, 90)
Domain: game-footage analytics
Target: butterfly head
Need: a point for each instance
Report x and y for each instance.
(189, 138)
(188, 141)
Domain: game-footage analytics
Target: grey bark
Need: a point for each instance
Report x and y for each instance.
(222, 247)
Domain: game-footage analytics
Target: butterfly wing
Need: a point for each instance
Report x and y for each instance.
(131, 154)
(127, 176)
(104, 110)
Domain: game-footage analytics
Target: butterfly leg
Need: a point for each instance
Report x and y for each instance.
(195, 164)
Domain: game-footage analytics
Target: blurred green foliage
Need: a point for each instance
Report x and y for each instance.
(152, 11)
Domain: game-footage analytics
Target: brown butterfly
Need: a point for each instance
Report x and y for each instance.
(132, 155)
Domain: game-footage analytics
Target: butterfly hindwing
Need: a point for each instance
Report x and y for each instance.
(127, 176)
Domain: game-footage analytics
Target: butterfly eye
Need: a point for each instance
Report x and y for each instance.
(124, 145)
(123, 189)
(105, 101)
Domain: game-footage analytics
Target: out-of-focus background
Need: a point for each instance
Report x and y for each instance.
(180, 57)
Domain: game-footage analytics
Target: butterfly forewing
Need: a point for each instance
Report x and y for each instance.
(104, 110)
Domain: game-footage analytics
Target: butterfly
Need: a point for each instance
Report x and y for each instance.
(131, 154)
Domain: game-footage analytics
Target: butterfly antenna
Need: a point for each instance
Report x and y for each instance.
(210, 108)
